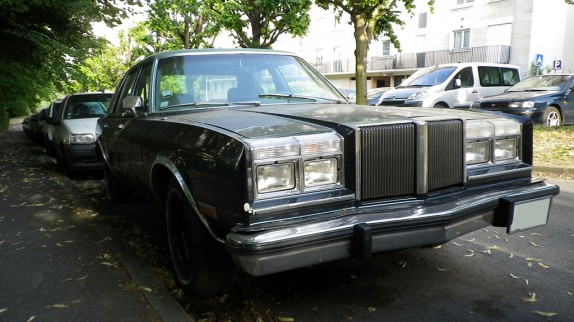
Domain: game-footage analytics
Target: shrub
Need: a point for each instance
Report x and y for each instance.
(4, 121)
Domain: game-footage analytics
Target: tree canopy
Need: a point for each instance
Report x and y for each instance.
(259, 23)
(41, 39)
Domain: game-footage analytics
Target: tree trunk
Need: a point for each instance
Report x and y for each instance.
(361, 50)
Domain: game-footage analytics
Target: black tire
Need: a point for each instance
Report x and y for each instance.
(116, 192)
(202, 267)
(440, 105)
(552, 116)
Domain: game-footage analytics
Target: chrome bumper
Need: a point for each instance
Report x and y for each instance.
(376, 228)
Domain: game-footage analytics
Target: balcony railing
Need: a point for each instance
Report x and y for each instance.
(488, 54)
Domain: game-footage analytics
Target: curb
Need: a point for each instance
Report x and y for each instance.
(560, 171)
(155, 292)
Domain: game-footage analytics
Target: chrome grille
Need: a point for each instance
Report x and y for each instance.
(445, 159)
(387, 160)
(392, 161)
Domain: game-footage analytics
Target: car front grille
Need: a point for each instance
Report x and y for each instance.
(408, 159)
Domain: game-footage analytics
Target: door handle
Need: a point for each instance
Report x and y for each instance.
(474, 91)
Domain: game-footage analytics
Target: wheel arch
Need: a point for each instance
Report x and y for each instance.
(165, 170)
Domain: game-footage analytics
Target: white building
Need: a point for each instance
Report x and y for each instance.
(519, 32)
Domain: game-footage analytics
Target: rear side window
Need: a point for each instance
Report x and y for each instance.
(510, 76)
(497, 76)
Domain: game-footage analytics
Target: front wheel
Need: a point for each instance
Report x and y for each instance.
(552, 116)
(201, 265)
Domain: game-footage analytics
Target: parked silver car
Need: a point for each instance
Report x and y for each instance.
(72, 136)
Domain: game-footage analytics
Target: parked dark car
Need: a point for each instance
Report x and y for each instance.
(374, 95)
(48, 131)
(545, 99)
(254, 156)
(72, 132)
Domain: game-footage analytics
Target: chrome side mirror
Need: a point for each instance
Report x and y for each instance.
(131, 104)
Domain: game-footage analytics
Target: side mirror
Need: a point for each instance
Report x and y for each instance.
(457, 83)
(52, 120)
(131, 104)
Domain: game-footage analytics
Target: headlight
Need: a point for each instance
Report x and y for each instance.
(492, 140)
(81, 138)
(477, 152)
(522, 104)
(297, 164)
(505, 149)
(275, 177)
(418, 96)
(319, 172)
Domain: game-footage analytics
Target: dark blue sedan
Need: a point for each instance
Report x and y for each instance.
(545, 99)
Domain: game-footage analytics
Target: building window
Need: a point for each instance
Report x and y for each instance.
(319, 56)
(464, 1)
(386, 47)
(461, 39)
(423, 20)
(337, 62)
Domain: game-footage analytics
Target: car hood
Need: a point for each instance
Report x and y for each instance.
(80, 126)
(517, 96)
(290, 120)
(402, 93)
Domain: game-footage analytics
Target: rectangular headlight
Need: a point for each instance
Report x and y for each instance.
(320, 172)
(505, 149)
(477, 152)
(275, 177)
(81, 138)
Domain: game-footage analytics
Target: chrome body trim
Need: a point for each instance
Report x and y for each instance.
(438, 221)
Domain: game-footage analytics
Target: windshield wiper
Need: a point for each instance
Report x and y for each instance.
(196, 104)
(305, 97)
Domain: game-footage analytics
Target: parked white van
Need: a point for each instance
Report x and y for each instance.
(452, 85)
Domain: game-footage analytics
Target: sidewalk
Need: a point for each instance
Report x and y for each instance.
(58, 260)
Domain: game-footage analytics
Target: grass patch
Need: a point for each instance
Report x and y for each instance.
(554, 145)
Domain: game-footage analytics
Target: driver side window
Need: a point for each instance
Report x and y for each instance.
(143, 87)
(466, 78)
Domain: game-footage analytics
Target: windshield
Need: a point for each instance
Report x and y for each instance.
(87, 106)
(428, 76)
(193, 81)
(542, 83)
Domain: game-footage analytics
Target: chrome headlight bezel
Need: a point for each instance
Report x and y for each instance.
(305, 153)
(492, 142)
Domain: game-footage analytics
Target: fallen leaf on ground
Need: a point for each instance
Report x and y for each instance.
(371, 309)
(514, 276)
(544, 314)
(534, 244)
(530, 299)
(470, 253)
(535, 234)
(457, 244)
(442, 269)
(543, 266)
(530, 259)
(60, 306)
(3, 310)
(285, 319)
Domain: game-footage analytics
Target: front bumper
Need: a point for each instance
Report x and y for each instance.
(82, 157)
(373, 229)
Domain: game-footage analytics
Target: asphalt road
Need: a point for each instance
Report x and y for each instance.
(483, 276)
(59, 260)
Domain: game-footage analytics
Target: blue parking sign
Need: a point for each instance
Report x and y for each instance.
(557, 65)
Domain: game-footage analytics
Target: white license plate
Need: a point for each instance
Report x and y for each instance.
(528, 214)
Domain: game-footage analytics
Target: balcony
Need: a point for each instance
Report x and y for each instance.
(490, 54)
